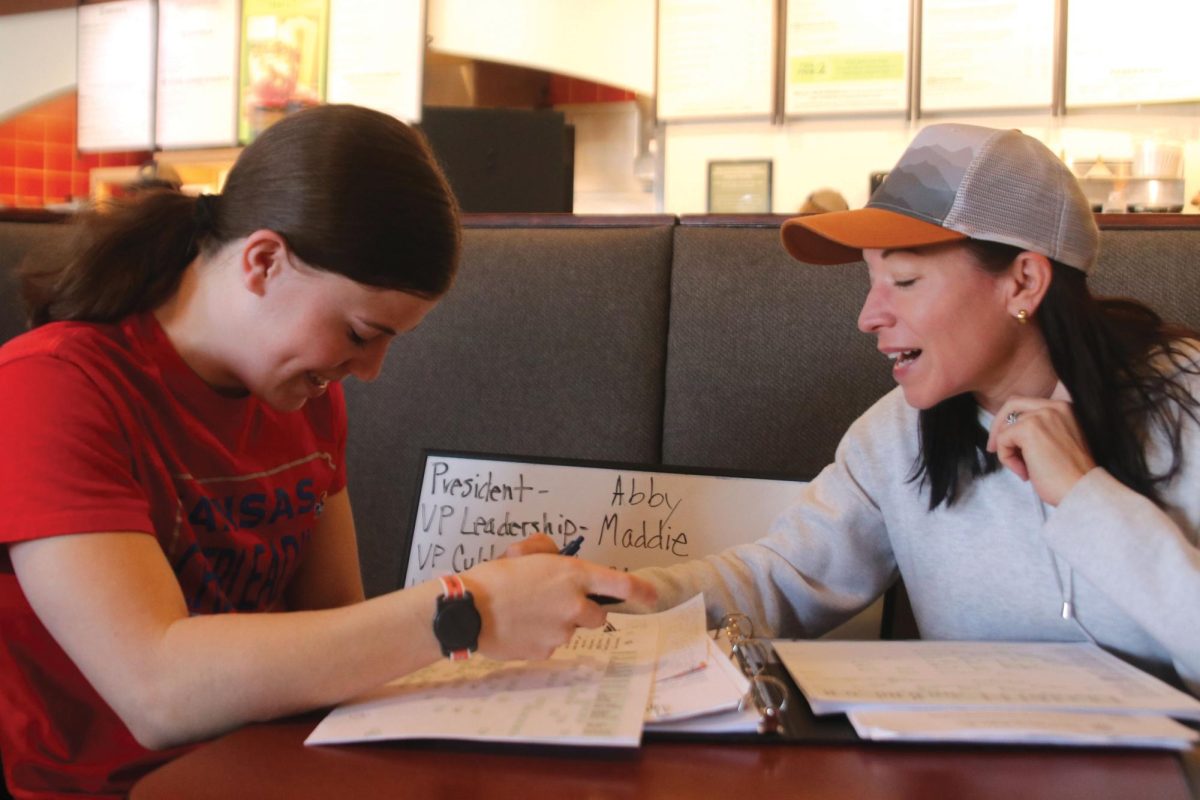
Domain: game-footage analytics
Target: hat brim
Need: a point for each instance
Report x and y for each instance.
(839, 237)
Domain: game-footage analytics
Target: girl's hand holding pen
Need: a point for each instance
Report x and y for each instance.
(532, 599)
(572, 549)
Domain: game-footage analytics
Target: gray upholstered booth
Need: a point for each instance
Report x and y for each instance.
(693, 342)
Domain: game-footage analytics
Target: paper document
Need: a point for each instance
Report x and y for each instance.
(1024, 727)
(719, 686)
(1043, 676)
(682, 637)
(592, 691)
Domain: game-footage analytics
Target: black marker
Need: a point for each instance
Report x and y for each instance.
(572, 548)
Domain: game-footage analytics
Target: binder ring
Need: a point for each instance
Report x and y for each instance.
(736, 626)
(769, 696)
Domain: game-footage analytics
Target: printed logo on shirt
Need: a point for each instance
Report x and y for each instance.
(240, 538)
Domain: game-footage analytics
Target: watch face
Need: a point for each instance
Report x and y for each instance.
(456, 624)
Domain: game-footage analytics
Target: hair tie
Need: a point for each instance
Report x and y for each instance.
(204, 214)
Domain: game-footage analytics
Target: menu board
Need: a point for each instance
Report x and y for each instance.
(978, 54)
(716, 58)
(610, 42)
(834, 63)
(197, 73)
(376, 51)
(116, 75)
(1121, 55)
(282, 61)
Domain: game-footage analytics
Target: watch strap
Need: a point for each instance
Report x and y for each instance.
(453, 589)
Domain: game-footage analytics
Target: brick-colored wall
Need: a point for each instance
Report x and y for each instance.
(565, 90)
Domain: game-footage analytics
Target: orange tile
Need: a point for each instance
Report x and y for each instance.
(80, 185)
(8, 180)
(61, 106)
(31, 128)
(7, 200)
(58, 187)
(8, 153)
(30, 182)
(59, 157)
(87, 161)
(30, 155)
(60, 130)
(30, 201)
(8, 129)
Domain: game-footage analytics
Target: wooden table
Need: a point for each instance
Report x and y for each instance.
(270, 761)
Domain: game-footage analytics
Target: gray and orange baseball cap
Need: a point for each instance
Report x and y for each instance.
(956, 182)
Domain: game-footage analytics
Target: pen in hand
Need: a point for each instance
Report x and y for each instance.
(572, 548)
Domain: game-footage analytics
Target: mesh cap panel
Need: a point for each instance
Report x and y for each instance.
(1017, 192)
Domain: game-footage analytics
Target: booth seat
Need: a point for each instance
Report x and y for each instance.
(653, 340)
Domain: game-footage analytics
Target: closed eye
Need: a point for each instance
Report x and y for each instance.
(905, 283)
(353, 336)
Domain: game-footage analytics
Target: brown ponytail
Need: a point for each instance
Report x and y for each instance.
(125, 258)
(352, 191)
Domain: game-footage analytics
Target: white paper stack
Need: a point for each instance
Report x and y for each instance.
(990, 692)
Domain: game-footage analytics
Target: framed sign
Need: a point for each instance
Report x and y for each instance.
(116, 75)
(739, 187)
(987, 54)
(836, 64)
(197, 74)
(1115, 57)
(284, 44)
(376, 54)
(716, 59)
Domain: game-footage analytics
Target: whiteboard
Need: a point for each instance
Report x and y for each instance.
(471, 507)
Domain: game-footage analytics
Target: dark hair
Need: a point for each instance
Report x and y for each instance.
(1102, 349)
(351, 190)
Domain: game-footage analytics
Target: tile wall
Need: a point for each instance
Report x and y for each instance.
(40, 166)
(39, 163)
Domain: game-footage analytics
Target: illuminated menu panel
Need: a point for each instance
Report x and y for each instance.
(716, 58)
(1118, 54)
(116, 75)
(197, 73)
(986, 54)
(282, 61)
(607, 41)
(376, 52)
(845, 56)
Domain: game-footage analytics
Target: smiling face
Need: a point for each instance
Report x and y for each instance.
(313, 327)
(947, 325)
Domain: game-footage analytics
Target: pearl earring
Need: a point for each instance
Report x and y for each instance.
(1022, 316)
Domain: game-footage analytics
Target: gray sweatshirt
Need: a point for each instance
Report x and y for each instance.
(998, 565)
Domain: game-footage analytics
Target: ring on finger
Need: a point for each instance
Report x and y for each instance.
(1012, 417)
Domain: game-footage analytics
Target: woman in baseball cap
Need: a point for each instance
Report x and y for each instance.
(1034, 476)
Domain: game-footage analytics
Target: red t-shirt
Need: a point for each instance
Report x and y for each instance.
(105, 428)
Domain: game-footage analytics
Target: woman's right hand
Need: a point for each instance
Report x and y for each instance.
(533, 604)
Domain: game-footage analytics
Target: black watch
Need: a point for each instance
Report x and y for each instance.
(456, 623)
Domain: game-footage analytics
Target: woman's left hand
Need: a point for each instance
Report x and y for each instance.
(1042, 443)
